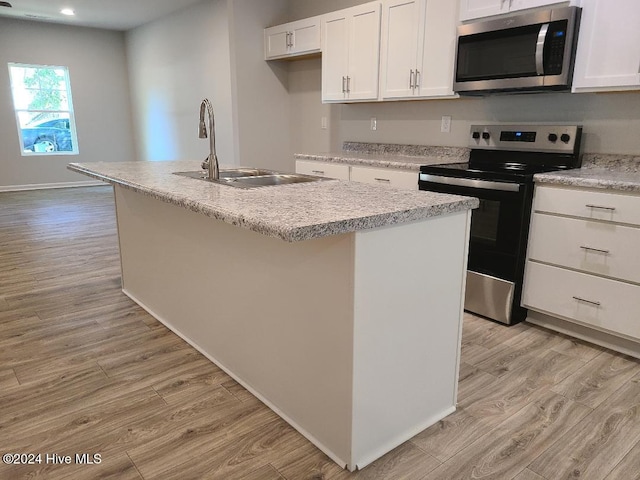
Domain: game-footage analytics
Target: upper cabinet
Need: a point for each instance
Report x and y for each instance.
(292, 39)
(471, 9)
(608, 56)
(418, 48)
(351, 54)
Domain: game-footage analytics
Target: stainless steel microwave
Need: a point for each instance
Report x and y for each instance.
(523, 53)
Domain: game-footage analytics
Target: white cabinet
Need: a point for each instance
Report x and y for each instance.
(582, 262)
(418, 48)
(471, 9)
(292, 39)
(608, 56)
(323, 169)
(388, 177)
(385, 176)
(351, 54)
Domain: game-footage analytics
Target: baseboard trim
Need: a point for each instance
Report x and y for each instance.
(583, 332)
(45, 186)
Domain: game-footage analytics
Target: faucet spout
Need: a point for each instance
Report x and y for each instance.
(211, 164)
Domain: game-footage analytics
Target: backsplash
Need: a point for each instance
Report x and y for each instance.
(460, 154)
(620, 163)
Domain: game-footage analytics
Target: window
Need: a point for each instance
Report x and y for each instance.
(44, 111)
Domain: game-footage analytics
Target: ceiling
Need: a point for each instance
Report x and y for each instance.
(111, 14)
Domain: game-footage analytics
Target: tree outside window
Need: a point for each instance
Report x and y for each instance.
(44, 111)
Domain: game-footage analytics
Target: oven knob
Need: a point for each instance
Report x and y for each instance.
(486, 135)
(565, 137)
(553, 137)
(476, 135)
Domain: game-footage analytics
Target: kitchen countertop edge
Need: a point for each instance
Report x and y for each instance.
(440, 205)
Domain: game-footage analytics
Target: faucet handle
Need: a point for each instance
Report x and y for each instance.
(205, 164)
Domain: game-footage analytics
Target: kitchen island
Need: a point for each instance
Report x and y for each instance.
(337, 304)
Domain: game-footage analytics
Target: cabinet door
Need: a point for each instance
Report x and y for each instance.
(305, 36)
(608, 56)
(385, 176)
(364, 52)
(276, 42)
(470, 9)
(323, 169)
(438, 53)
(401, 24)
(335, 57)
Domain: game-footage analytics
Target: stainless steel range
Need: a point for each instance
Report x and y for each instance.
(502, 163)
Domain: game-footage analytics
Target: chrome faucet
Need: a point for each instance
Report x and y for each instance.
(211, 163)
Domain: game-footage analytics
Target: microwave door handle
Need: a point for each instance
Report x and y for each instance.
(542, 38)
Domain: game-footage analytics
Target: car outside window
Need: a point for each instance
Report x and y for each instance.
(44, 110)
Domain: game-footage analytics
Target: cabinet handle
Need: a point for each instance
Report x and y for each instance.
(382, 180)
(411, 87)
(290, 36)
(348, 84)
(417, 82)
(318, 172)
(344, 83)
(590, 302)
(612, 209)
(590, 249)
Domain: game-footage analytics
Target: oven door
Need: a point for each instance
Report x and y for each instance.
(497, 242)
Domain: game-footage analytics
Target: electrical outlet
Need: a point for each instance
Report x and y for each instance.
(445, 124)
(374, 123)
(323, 123)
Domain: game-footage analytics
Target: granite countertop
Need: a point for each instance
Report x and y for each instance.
(401, 157)
(607, 172)
(290, 212)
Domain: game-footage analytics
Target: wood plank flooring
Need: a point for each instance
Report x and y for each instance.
(85, 370)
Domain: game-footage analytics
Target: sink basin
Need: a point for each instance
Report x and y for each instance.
(268, 180)
(252, 177)
(228, 173)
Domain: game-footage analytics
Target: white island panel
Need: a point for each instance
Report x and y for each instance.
(354, 339)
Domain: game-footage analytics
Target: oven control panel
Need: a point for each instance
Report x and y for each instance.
(538, 138)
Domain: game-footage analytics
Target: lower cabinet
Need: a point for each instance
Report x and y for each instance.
(385, 176)
(323, 169)
(582, 264)
(379, 176)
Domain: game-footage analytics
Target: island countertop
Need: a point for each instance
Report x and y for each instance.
(290, 212)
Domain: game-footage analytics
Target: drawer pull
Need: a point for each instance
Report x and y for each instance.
(318, 172)
(598, 250)
(382, 179)
(600, 207)
(590, 302)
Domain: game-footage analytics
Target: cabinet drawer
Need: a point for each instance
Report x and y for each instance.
(385, 176)
(322, 169)
(605, 304)
(613, 207)
(596, 247)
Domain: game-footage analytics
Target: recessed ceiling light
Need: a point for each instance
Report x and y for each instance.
(67, 11)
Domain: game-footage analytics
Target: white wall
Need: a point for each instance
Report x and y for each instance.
(260, 88)
(174, 63)
(213, 49)
(100, 91)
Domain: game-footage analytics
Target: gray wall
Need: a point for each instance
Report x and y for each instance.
(98, 73)
(213, 49)
(174, 63)
(611, 120)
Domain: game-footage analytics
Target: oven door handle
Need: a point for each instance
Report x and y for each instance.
(471, 183)
(542, 39)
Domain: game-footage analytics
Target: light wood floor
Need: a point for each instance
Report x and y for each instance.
(85, 370)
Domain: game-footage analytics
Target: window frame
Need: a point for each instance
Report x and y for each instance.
(70, 112)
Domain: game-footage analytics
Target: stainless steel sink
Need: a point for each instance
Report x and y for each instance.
(253, 177)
